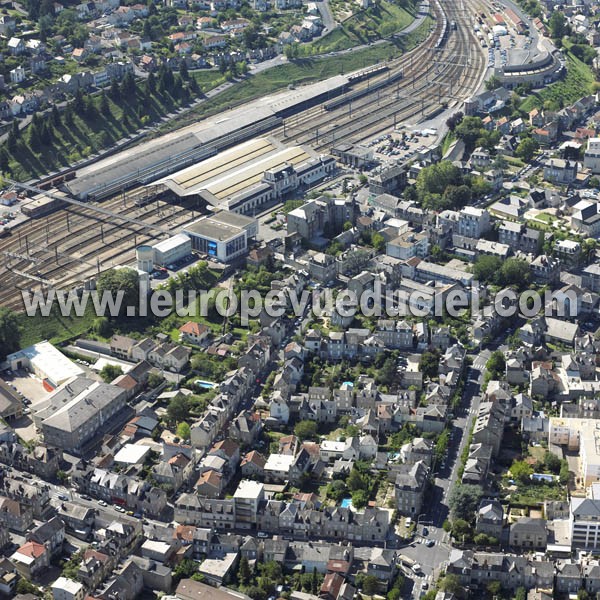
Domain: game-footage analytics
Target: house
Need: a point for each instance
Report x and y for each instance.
(14, 515)
(490, 518)
(529, 533)
(253, 465)
(31, 559)
(410, 486)
(560, 171)
(50, 534)
(67, 589)
(16, 46)
(193, 333)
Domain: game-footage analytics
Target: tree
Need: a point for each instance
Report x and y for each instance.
(496, 364)
(62, 476)
(360, 498)
(183, 70)
(15, 129)
(11, 142)
(115, 92)
(460, 527)
(564, 472)
(305, 430)
(494, 588)
(24, 586)
(56, 116)
(120, 283)
(185, 569)
(558, 25)
(244, 571)
(4, 161)
(521, 593)
(355, 480)
(493, 83)
(184, 431)
(104, 105)
(35, 138)
(78, 102)
(154, 380)
(370, 585)
(486, 268)
(515, 271)
(314, 586)
(10, 334)
(429, 363)
(178, 409)
(450, 583)
(454, 120)
(464, 501)
(526, 149)
(552, 462)
(110, 372)
(521, 471)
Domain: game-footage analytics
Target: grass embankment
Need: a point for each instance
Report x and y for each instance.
(88, 134)
(54, 328)
(298, 72)
(377, 22)
(578, 82)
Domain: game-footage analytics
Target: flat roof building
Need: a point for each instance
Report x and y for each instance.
(45, 361)
(220, 238)
(172, 249)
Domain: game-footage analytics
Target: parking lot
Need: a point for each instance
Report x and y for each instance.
(29, 386)
(401, 145)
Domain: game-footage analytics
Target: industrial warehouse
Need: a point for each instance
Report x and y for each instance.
(250, 175)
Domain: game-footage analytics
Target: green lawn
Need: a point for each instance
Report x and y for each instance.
(578, 82)
(208, 79)
(379, 21)
(298, 72)
(54, 328)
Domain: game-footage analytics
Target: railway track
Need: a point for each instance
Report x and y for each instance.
(427, 74)
(79, 238)
(68, 244)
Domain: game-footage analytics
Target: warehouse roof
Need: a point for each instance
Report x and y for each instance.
(208, 228)
(46, 360)
(172, 242)
(230, 218)
(234, 171)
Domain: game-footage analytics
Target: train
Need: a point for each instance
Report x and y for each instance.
(350, 96)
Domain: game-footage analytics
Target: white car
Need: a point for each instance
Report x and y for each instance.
(102, 503)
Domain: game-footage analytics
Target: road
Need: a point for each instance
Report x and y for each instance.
(432, 560)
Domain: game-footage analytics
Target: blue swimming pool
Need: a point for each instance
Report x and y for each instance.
(209, 385)
(346, 503)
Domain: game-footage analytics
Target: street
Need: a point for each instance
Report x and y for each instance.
(433, 559)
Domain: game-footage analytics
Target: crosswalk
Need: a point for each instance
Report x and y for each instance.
(481, 360)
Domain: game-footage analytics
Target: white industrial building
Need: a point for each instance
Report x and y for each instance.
(45, 361)
(223, 236)
(172, 249)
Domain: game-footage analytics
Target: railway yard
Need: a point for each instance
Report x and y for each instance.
(69, 246)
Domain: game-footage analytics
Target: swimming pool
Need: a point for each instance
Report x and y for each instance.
(346, 503)
(208, 385)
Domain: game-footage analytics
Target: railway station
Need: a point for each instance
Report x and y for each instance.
(148, 161)
(251, 175)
